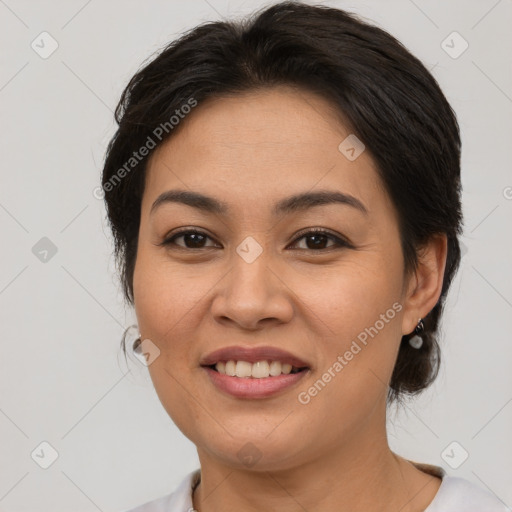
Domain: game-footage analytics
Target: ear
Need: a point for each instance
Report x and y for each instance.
(425, 283)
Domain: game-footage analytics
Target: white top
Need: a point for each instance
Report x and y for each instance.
(454, 495)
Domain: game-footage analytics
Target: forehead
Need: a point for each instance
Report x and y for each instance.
(257, 147)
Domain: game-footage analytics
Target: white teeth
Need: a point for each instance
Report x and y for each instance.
(286, 368)
(259, 370)
(243, 369)
(230, 368)
(275, 368)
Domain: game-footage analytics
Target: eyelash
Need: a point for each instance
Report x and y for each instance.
(341, 243)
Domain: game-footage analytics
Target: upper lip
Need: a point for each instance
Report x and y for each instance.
(252, 355)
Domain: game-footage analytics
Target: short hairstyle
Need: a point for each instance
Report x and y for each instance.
(386, 96)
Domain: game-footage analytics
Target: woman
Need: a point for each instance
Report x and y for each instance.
(284, 193)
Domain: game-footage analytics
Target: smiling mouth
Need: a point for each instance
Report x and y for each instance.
(259, 370)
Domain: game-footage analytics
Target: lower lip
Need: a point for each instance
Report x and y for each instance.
(253, 388)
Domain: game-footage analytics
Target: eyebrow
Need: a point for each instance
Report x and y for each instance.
(297, 202)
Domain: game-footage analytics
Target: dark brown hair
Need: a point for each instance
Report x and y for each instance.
(387, 96)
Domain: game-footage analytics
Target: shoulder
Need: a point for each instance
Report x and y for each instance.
(460, 495)
(178, 501)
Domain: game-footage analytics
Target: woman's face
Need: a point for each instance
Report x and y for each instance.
(253, 279)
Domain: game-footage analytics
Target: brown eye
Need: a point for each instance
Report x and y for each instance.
(316, 240)
(192, 239)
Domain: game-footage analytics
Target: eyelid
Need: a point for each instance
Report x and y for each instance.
(340, 241)
(168, 239)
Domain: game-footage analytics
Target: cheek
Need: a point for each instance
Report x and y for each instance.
(165, 295)
(362, 310)
(352, 297)
(163, 299)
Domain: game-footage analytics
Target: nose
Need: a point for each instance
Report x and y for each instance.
(253, 295)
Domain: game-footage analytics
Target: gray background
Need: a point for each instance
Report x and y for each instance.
(63, 379)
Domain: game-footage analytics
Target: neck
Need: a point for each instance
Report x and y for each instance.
(360, 475)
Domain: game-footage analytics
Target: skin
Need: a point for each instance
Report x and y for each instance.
(330, 454)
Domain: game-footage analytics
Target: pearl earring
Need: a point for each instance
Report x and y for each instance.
(417, 341)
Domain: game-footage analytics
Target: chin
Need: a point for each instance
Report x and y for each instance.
(254, 452)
